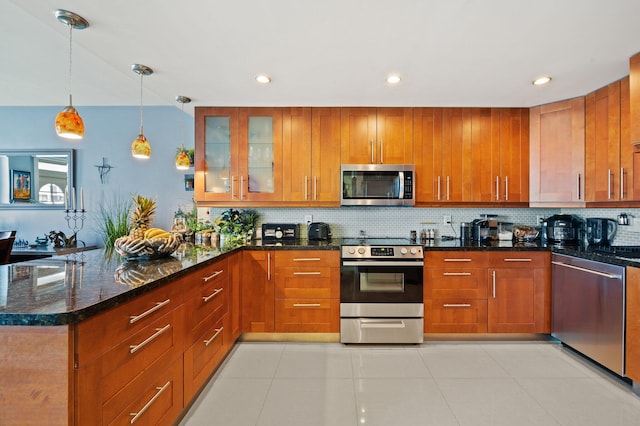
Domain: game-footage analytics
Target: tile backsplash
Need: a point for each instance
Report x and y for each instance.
(399, 221)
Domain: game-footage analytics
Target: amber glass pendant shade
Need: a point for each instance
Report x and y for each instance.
(140, 148)
(182, 160)
(69, 124)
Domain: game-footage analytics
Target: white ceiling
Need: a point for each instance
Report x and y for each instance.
(327, 52)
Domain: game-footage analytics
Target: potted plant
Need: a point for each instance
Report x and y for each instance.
(236, 226)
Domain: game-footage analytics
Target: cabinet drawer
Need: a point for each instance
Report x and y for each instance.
(455, 316)
(517, 259)
(455, 259)
(308, 315)
(214, 274)
(203, 357)
(210, 299)
(308, 258)
(103, 331)
(308, 282)
(158, 401)
(461, 282)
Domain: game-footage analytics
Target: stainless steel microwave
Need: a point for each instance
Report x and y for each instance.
(377, 185)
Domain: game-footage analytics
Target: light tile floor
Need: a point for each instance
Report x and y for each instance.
(436, 383)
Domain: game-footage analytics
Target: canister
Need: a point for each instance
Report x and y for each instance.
(465, 232)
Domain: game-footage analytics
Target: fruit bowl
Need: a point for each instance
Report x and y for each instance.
(147, 248)
(135, 274)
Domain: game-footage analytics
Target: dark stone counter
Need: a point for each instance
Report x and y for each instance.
(68, 289)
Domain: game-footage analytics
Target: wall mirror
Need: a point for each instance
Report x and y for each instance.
(35, 178)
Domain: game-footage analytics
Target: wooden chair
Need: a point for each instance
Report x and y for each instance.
(6, 244)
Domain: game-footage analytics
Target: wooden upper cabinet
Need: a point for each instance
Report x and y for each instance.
(512, 168)
(634, 89)
(377, 135)
(557, 133)
(311, 156)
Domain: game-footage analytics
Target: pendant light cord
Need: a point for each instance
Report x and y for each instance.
(141, 103)
(182, 127)
(70, 61)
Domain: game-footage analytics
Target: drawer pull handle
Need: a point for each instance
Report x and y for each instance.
(456, 274)
(148, 404)
(205, 299)
(306, 273)
(212, 276)
(510, 259)
(136, 318)
(218, 331)
(306, 305)
(306, 259)
(382, 324)
(457, 260)
(457, 305)
(135, 348)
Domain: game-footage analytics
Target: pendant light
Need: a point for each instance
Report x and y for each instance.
(183, 162)
(69, 124)
(140, 148)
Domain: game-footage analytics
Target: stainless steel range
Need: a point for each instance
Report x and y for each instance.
(381, 291)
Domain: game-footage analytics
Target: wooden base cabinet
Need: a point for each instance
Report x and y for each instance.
(632, 337)
(258, 291)
(494, 292)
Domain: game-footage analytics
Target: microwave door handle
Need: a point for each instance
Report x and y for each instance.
(401, 188)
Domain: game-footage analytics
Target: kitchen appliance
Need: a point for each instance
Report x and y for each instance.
(279, 232)
(588, 309)
(381, 291)
(563, 229)
(485, 229)
(600, 232)
(465, 232)
(319, 231)
(377, 185)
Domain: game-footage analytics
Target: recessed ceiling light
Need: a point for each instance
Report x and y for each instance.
(540, 81)
(263, 79)
(393, 79)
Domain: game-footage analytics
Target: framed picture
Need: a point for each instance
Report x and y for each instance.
(20, 185)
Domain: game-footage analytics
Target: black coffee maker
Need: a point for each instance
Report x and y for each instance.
(601, 231)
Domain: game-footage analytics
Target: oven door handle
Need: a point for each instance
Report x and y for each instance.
(381, 323)
(382, 263)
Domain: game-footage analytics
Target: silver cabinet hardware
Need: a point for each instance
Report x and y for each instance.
(590, 271)
(306, 305)
(205, 299)
(135, 348)
(517, 259)
(456, 274)
(217, 332)
(457, 260)
(212, 276)
(158, 305)
(148, 404)
(493, 278)
(457, 305)
(306, 259)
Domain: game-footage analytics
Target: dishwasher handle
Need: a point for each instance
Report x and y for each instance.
(590, 271)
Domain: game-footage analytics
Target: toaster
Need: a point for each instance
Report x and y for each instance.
(319, 231)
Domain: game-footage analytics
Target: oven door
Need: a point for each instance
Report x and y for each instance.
(377, 281)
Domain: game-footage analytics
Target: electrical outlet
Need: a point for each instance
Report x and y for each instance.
(446, 219)
(539, 219)
(308, 219)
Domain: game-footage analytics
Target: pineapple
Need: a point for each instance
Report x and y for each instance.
(142, 216)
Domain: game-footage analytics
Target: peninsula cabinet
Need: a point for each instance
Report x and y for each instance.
(608, 153)
(258, 291)
(557, 150)
(238, 154)
(377, 135)
(307, 291)
(494, 292)
(311, 156)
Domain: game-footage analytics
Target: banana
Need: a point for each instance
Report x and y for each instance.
(154, 232)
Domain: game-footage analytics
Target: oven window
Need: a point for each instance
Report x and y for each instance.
(381, 282)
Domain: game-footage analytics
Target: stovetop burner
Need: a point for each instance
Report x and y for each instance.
(622, 251)
(378, 241)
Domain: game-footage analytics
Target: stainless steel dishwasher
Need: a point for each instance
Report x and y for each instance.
(588, 309)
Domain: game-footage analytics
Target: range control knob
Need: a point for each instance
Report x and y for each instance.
(352, 250)
(361, 250)
(414, 250)
(403, 250)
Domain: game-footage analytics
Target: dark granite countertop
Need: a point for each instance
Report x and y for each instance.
(68, 289)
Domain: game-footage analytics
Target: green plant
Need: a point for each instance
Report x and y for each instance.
(113, 221)
(236, 222)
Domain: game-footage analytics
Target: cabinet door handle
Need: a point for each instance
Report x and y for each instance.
(448, 189)
(381, 151)
(457, 260)
(306, 305)
(315, 188)
(622, 183)
(212, 276)
(497, 188)
(268, 266)
(439, 198)
(306, 273)
(158, 305)
(217, 291)
(146, 406)
(306, 188)
(609, 174)
(306, 259)
(493, 279)
(506, 188)
(517, 259)
(218, 331)
(241, 187)
(456, 305)
(456, 274)
(372, 153)
(135, 348)
(233, 192)
(578, 192)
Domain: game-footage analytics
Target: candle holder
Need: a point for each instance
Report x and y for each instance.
(75, 221)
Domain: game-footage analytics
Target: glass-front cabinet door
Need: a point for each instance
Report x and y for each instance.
(238, 155)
